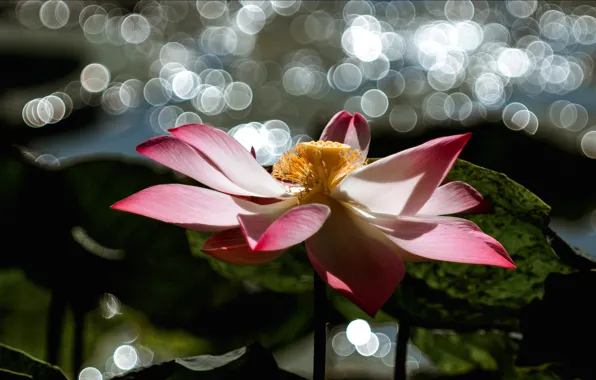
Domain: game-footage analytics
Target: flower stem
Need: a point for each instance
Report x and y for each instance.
(55, 324)
(401, 350)
(320, 349)
(78, 341)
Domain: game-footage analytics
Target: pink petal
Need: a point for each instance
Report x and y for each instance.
(271, 232)
(454, 198)
(231, 158)
(348, 129)
(230, 246)
(446, 239)
(179, 156)
(402, 183)
(190, 207)
(356, 259)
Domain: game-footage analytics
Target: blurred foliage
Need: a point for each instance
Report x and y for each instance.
(18, 364)
(290, 273)
(253, 361)
(478, 355)
(86, 249)
(23, 322)
(22, 311)
(560, 327)
(456, 353)
(489, 295)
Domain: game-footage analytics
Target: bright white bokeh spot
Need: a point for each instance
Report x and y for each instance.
(375, 69)
(67, 101)
(394, 46)
(513, 62)
(583, 29)
(516, 116)
(131, 92)
(275, 141)
(188, 118)
(276, 124)
(173, 52)
(125, 357)
(370, 347)
(532, 125)
(353, 104)
(157, 92)
(250, 19)
(166, 119)
(298, 80)
(54, 14)
(95, 77)
(185, 84)
(211, 9)
(436, 106)
(383, 340)
(48, 161)
(392, 84)
(358, 332)
(238, 95)
(29, 114)
(28, 13)
(588, 144)
(574, 117)
(110, 306)
(459, 10)
(341, 345)
(400, 13)
(58, 108)
(90, 373)
(347, 77)
(388, 354)
(521, 8)
(364, 44)
(374, 103)
(458, 106)
(403, 118)
(248, 136)
(555, 110)
(135, 28)
(212, 101)
(300, 138)
(45, 111)
(286, 7)
(489, 89)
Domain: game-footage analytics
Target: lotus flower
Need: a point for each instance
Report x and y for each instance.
(360, 222)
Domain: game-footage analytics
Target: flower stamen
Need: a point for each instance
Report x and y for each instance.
(317, 166)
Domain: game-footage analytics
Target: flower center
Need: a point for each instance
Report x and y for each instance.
(317, 166)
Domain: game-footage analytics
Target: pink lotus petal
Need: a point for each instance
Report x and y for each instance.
(446, 239)
(179, 156)
(356, 259)
(230, 246)
(402, 183)
(231, 158)
(190, 207)
(454, 198)
(348, 129)
(271, 232)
